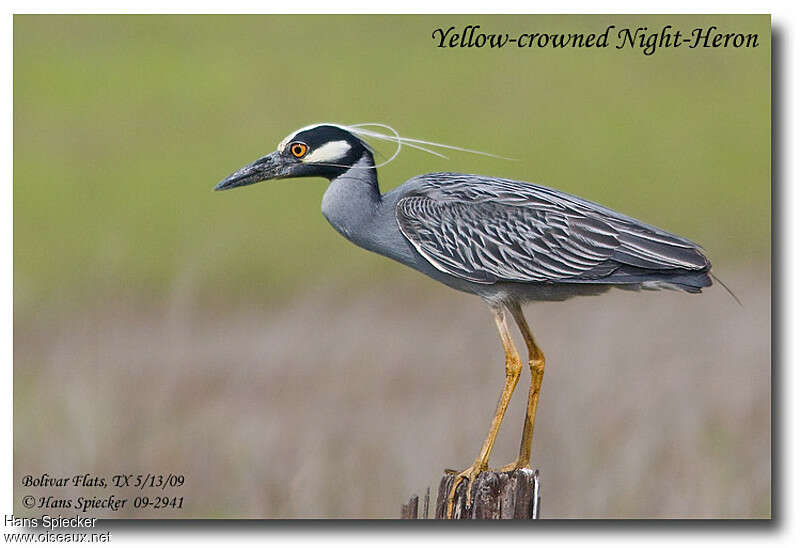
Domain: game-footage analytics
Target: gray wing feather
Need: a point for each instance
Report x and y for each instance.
(485, 230)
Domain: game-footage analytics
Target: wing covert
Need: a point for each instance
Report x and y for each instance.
(486, 230)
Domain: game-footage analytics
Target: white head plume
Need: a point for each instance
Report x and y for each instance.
(363, 132)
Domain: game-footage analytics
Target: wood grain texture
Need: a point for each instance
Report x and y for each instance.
(495, 495)
(410, 510)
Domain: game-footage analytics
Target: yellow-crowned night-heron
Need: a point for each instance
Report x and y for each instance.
(504, 240)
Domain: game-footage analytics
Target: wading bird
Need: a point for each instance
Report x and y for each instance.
(506, 241)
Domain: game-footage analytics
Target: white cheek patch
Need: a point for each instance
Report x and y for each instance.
(329, 152)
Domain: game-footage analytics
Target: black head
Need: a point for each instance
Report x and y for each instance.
(321, 150)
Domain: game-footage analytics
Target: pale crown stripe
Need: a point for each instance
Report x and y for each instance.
(289, 138)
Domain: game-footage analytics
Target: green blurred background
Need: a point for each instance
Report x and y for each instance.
(123, 124)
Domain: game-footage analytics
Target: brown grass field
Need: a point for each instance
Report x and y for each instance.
(344, 401)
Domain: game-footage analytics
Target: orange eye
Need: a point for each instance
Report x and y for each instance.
(298, 150)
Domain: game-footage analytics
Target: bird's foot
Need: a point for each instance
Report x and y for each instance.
(516, 465)
(469, 474)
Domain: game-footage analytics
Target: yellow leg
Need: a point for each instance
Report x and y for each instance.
(513, 370)
(536, 363)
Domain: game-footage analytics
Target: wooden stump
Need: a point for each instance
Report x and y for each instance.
(495, 495)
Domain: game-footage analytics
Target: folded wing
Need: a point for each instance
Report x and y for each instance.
(486, 230)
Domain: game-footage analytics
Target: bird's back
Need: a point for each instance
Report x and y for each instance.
(487, 230)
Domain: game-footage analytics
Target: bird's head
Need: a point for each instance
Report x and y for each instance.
(321, 150)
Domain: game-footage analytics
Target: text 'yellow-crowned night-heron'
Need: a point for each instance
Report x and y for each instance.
(504, 240)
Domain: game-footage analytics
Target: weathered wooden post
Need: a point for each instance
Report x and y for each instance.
(495, 495)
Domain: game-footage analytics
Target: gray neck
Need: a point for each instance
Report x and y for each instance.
(352, 200)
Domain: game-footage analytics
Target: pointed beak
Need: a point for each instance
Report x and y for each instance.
(270, 166)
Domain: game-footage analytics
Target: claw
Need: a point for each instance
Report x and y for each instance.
(516, 465)
(469, 474)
